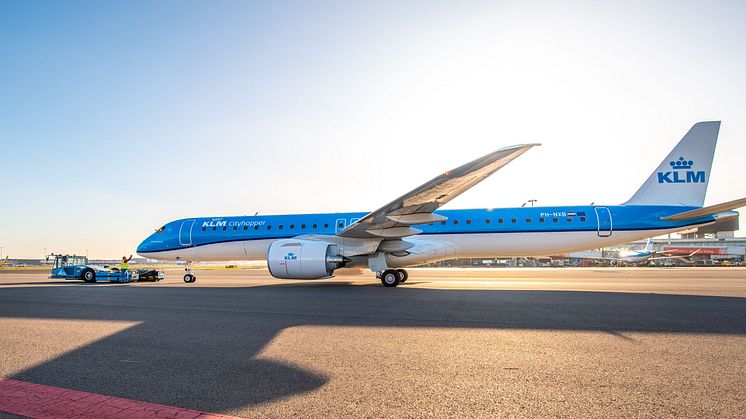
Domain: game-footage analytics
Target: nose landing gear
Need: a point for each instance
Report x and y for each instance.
(190, 276)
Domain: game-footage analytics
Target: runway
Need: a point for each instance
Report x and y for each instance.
(454, 342)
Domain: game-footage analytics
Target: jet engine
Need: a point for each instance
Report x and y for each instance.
(303, 259)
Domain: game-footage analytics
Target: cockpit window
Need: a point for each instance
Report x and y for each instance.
(160, 230)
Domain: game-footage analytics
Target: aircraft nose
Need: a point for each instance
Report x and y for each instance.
(144, 247)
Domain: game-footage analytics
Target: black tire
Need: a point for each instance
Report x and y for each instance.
(390, 278)
(189, 278)
(404, 275)
(88, 275)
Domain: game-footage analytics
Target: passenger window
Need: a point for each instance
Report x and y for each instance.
(245, 227)
(315, 226)
(256, 227)
(582, 219)
(487, 221)
(203, 229)
(443, 222)
(302, 226)
(292, 226)
(235, 228)
(279, 227)
(455, 221)
(499, 220)
(213, 229)
(513, 220)
(468, 221)
(528, 220)
(326, 225)
(340, 225)
(555, 219)
(269, 227)
(541, 219)
(569, 220)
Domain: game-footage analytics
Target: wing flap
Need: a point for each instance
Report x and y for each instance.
(394, 232)
(417, 218)
(711, 210)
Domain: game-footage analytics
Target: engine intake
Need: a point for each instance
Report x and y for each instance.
(303, 259)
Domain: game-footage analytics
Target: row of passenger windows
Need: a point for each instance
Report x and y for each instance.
(455, 222)
(514, 220)
(269, 227)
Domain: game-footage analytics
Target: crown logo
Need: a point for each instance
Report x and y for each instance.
(681, 163)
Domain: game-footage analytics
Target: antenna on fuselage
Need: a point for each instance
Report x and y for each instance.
(256, 213)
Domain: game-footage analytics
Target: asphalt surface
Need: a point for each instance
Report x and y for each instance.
(532, 342)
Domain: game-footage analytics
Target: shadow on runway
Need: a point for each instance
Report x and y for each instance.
(197, 347)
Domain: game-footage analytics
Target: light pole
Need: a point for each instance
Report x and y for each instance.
(532, 201)
(1, 252)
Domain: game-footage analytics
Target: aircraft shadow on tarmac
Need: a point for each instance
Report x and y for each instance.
(197, 347)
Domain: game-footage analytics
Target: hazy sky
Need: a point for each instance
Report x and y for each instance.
(116, 117)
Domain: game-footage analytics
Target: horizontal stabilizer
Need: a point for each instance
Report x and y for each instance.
(702, 212)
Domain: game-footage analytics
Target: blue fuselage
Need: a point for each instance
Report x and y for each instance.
(603, 221)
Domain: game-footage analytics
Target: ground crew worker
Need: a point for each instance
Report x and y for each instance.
(124, 265)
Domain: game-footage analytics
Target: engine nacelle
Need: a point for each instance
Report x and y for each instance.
(303, 259)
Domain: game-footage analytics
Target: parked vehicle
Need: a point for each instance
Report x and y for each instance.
(73, 267)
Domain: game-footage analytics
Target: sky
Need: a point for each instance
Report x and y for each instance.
(118, 116)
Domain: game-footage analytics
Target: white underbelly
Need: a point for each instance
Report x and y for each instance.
(458, 245)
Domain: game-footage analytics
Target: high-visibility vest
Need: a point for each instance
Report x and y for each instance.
(123, 266)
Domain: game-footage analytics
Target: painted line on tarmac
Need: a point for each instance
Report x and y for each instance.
(41, 401)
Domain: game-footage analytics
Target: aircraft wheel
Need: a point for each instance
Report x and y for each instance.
(404, 275)
(390, 278)
(88, 275)
(189, 278)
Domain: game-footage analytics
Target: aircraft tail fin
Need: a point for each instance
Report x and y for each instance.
(682, 177)
(649, 245)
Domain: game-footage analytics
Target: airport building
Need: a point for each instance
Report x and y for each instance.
(711, 245)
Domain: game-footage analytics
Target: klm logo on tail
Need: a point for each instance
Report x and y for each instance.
(681, 173)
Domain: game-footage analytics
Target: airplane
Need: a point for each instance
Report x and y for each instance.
(5, 261)
(313, 246)
(639, 257)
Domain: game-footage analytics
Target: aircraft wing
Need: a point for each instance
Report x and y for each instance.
(684, 259)
(394, 220)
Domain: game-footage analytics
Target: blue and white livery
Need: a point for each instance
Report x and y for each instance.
(413, 230)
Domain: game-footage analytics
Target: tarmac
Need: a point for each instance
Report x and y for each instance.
(561, 342)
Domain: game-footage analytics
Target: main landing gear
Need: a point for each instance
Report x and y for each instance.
(393, 277)
(190, 276)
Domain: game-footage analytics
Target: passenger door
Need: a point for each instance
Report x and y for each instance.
(185, 232)
(605, 226)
